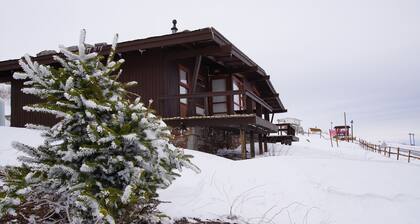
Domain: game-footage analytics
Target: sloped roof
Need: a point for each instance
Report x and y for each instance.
(208, 36)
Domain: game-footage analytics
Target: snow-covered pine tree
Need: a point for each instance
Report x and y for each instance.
(107, 156)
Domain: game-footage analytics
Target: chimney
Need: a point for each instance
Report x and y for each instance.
(174, 29)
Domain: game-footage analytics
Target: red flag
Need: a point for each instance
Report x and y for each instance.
(333, 133)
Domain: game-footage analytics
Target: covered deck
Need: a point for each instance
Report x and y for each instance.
(236, 121)
(286, 134)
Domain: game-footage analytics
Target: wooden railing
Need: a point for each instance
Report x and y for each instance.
(390, 151)
(247, 97)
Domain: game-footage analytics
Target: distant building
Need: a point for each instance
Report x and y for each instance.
(342, 132)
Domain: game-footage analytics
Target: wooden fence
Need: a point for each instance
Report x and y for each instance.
(389, 151)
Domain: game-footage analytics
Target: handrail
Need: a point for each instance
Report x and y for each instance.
(200, 95)
(258, 100)
(224, 93)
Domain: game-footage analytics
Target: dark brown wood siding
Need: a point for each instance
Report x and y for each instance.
(155, 78)
(20, 117)
(146, 70)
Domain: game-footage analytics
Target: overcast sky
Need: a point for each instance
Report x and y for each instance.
(324, 57)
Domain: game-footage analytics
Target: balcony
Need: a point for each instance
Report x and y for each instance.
(240, 109)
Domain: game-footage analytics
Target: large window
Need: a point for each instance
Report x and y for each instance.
(184, 88)
(219, 102)
(238, 99)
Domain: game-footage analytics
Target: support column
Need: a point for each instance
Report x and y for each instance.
(251, 142)
(265, 143)
(260, 144)
(243, 142)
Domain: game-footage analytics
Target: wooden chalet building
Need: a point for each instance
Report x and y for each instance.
(204, 87)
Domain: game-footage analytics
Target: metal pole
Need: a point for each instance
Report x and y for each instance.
(412, 140)
(409, 136)
(352, 137)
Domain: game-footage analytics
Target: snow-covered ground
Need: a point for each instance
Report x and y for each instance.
(308, 182)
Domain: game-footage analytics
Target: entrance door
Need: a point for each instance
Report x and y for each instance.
(219, 103)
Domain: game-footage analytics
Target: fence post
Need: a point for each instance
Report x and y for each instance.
(409, 154)
(398, 153)
(389, 152)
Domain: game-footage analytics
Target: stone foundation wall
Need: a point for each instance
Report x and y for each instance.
(205, 139)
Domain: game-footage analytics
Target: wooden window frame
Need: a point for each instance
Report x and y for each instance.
(226, 102)
(183, 107)
(240, 84)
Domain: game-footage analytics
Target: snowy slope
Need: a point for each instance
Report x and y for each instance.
(8, 156)
(309, 182)
(306, 183)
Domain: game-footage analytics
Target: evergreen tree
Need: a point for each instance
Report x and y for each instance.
(107, 156)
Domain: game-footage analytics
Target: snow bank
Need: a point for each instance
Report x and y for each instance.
(308, 182)
(8, 155)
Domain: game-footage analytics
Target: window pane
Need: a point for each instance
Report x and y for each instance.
(182, 90)
(236, 99)
(219, 99)
(219, 85)
(199, 110)
(183, 76)
(219, 108)
(236, 107)
(183, 100)
(235, 86)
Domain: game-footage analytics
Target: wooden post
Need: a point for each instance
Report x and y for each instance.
(336, 139)
(251, 142)
(409, 154)
(389, 152)
(195, 72)
(398, 153)
(266, 115)
(258, 109)
(332, 146)
(265, 144)
(249, 106)
(260, 144)
(243, 142)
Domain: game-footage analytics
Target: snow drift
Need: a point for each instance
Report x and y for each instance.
(308, 182)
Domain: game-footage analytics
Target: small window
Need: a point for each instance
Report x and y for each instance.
(200, 110)
(184, 88)
(219, 108)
